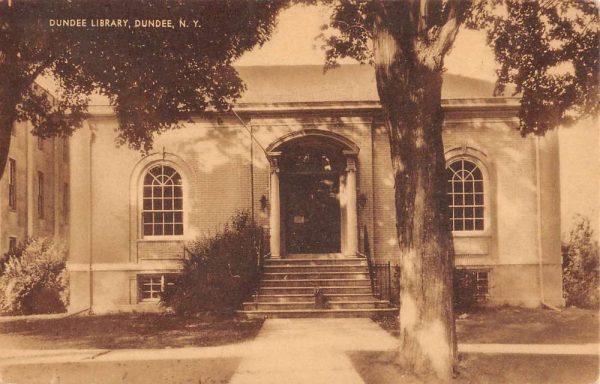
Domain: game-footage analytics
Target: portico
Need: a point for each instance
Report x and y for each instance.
(313, 194)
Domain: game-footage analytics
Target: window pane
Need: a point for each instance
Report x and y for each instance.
(168, 171)
(479, 186)
(178, 217)
(479, 224)
(178, 192)
(458, 225)
(148, 180)
(168, 217)
(168, 204)
(468, 225)
(147, 217)
(158, 229)
(458, 187)
(178, 204)
(148, 230)
(479, 199)
(469, 199)
(178, 229)
(479, 212)
(147, 204)
(157, 204)
(158, 191)
(168, 230)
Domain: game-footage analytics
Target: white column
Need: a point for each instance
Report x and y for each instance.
(351, 213)
(275, 212)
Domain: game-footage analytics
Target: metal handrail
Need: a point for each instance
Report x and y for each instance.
(370, 268)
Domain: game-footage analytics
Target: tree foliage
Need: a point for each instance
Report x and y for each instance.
(581, 267)
(548, 49)
(154, 77)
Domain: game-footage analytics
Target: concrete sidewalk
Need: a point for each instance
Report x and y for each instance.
(531, 349)
(285, 350)
(310, 351)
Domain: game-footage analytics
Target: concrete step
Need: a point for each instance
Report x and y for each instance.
(369, 304)
(313, 283)
(291, 298)
(315, 256)
(312, 261)
(316, 268)
(315, 275)
(324, 313)
(327, 290)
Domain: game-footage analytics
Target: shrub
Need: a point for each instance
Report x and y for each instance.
(34, 279)
(16, 252)
(580, 267)
(221, 271)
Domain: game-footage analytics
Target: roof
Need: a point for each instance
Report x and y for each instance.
(308, 83)
(308, 87)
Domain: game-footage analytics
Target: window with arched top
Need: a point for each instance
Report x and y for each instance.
(162, 208)
(466, 196)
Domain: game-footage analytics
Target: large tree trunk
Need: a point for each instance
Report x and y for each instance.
(409, 87)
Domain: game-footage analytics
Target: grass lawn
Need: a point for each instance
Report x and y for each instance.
(203, 371)
(126, 331)
(509, 325)
(504, 325)
(379, 368)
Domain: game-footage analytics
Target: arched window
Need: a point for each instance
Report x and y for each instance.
(465, 196)
(162, 213)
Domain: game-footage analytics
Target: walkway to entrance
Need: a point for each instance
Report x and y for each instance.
(310, 351)
(285, 351)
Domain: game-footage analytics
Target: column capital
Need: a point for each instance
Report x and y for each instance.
(351, 164)
(274, 161)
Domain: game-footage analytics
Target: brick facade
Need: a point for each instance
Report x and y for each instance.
(225, 170)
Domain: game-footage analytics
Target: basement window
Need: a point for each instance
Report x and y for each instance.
(473, 283)
(482, 284)
(152, 285)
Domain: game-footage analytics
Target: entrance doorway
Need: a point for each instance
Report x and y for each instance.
(311, 197)
(312, 219)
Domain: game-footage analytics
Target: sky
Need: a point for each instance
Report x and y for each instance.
(294, 43)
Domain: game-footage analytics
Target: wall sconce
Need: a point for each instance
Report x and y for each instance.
(361, 201)
(263, 203)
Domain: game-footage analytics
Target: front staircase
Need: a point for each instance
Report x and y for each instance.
(287, 289)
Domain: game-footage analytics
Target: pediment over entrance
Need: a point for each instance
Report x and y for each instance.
(346, 145)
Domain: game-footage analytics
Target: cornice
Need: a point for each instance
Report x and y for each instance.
(453, 105)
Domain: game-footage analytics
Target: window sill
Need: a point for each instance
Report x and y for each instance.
(484, 233)
(162, 239)
(148, 301)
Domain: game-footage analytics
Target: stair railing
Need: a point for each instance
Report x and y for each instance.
(367, 255)
(380, 274)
